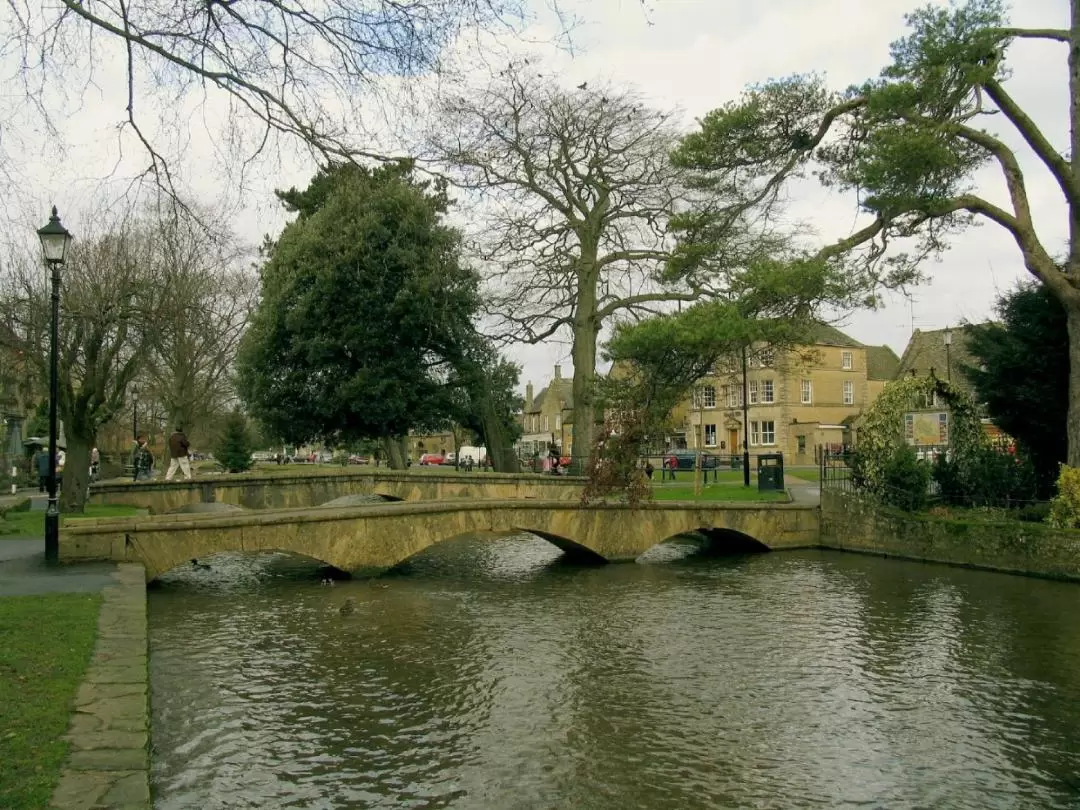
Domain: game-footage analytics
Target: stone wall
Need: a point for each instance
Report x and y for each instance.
(852, 523)
(283, 491)
(108, 767)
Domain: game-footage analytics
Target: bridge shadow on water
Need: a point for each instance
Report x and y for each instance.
(520, 557)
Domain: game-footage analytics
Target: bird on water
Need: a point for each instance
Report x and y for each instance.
(348, 607)
(198, 566)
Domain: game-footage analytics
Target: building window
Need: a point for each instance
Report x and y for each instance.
(734, 396)
(710, 435)
(755, 435)
(849, 392)
(753, 392)
(709, 396)
(846, 360)
(766, 357)
(545, 424)
(768, 432)
(558, 422)
(943, 428)
(807, 388)
(802, 445)
(767, 394)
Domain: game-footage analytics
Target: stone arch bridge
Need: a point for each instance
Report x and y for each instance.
(379, 536)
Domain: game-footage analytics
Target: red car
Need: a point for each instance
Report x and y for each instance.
(430, 459)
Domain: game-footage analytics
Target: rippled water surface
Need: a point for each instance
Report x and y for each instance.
(487, 675)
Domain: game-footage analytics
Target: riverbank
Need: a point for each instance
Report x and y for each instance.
(852, 523)
(45, 647)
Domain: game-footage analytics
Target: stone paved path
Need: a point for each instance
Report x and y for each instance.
(108, 766)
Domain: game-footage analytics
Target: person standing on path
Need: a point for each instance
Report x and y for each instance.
(41, 462)
(178, 454)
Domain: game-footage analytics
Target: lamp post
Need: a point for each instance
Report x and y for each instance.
(745, 424)
(947, 337)
(134, 413)
(55, 240)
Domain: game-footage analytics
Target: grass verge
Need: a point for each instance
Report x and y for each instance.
(716, 492)
(805, 473)
(32, 524)
(45, 646)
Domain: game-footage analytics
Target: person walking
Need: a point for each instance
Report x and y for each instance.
(142, 460)
(41, 461)
(178, 454)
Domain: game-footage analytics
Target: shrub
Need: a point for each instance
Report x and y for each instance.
(233, 450)
(905, 479)
(1065, 508)
(985, 477)
(1035, 513)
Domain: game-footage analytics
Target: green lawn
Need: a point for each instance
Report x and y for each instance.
(805, 473)
(714, 492)
(45, 646)
(32, 524)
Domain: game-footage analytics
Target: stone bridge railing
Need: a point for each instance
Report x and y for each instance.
(295, 491)
(380, 536)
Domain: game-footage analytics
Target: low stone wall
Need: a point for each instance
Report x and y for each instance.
(852, 523)
(109, 765)
(284, 491)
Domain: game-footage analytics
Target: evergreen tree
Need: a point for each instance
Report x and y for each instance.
(233, 450)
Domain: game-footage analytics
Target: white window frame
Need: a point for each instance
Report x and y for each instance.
(558, 422)
(707, 430)
(806, 388)
(768, 392)
(753, 392)
(544, 422)
(771, 432)
(709, 396)
(849, 392)
(734, 396)
(847, 360)
(754, 435)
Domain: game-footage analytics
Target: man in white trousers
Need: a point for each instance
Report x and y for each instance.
(178, 454)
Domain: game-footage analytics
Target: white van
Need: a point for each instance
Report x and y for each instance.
(477, 454)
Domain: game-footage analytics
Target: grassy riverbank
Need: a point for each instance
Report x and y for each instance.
(32, 524)
(45, 646)
(729, 493)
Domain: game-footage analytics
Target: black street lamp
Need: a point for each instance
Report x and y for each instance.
(135, 413)
(55, 240)
(745, 424)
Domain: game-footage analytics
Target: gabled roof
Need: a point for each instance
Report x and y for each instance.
(881, 363)
(926, 351)
(561, 388)
(821, 334)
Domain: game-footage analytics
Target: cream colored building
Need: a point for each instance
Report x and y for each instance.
(799, 400)
(546, 417)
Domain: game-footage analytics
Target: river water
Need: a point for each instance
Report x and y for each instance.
(485, 674)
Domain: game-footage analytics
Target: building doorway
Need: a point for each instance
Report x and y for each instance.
(733, 440)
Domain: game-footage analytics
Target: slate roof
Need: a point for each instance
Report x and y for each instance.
(881, 363)
(821, 334)
(926, 350)
(561, 388)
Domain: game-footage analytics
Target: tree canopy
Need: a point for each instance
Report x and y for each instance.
(909, 144)
(1023, 375)
(364, 306)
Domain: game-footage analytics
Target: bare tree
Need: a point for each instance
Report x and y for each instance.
(207, 298)
(576, 194)
(300, 69)
(109, 301)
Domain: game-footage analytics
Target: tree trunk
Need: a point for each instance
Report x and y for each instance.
(76, 474)
(500, 451)
(395, 457)
(584, 355)
(1072, 425)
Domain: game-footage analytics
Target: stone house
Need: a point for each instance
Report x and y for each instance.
(799, 400)
(546, 417)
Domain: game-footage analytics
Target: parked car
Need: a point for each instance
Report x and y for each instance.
(449, 458)
(355, 459)
(431, 459)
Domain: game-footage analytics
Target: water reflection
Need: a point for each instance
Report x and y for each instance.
(487, 674)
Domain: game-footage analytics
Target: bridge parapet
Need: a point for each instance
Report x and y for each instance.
(373, 537)
(283, 491)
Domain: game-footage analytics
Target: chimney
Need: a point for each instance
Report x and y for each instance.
(528, 395)
(558, 372)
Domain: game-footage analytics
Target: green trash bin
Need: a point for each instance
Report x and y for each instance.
(770, 472)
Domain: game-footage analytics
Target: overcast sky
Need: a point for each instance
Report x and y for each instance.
(692, 55)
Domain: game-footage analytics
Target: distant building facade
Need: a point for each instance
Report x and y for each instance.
(546, 417)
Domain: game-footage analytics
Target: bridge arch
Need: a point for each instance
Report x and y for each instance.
(211, 562)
